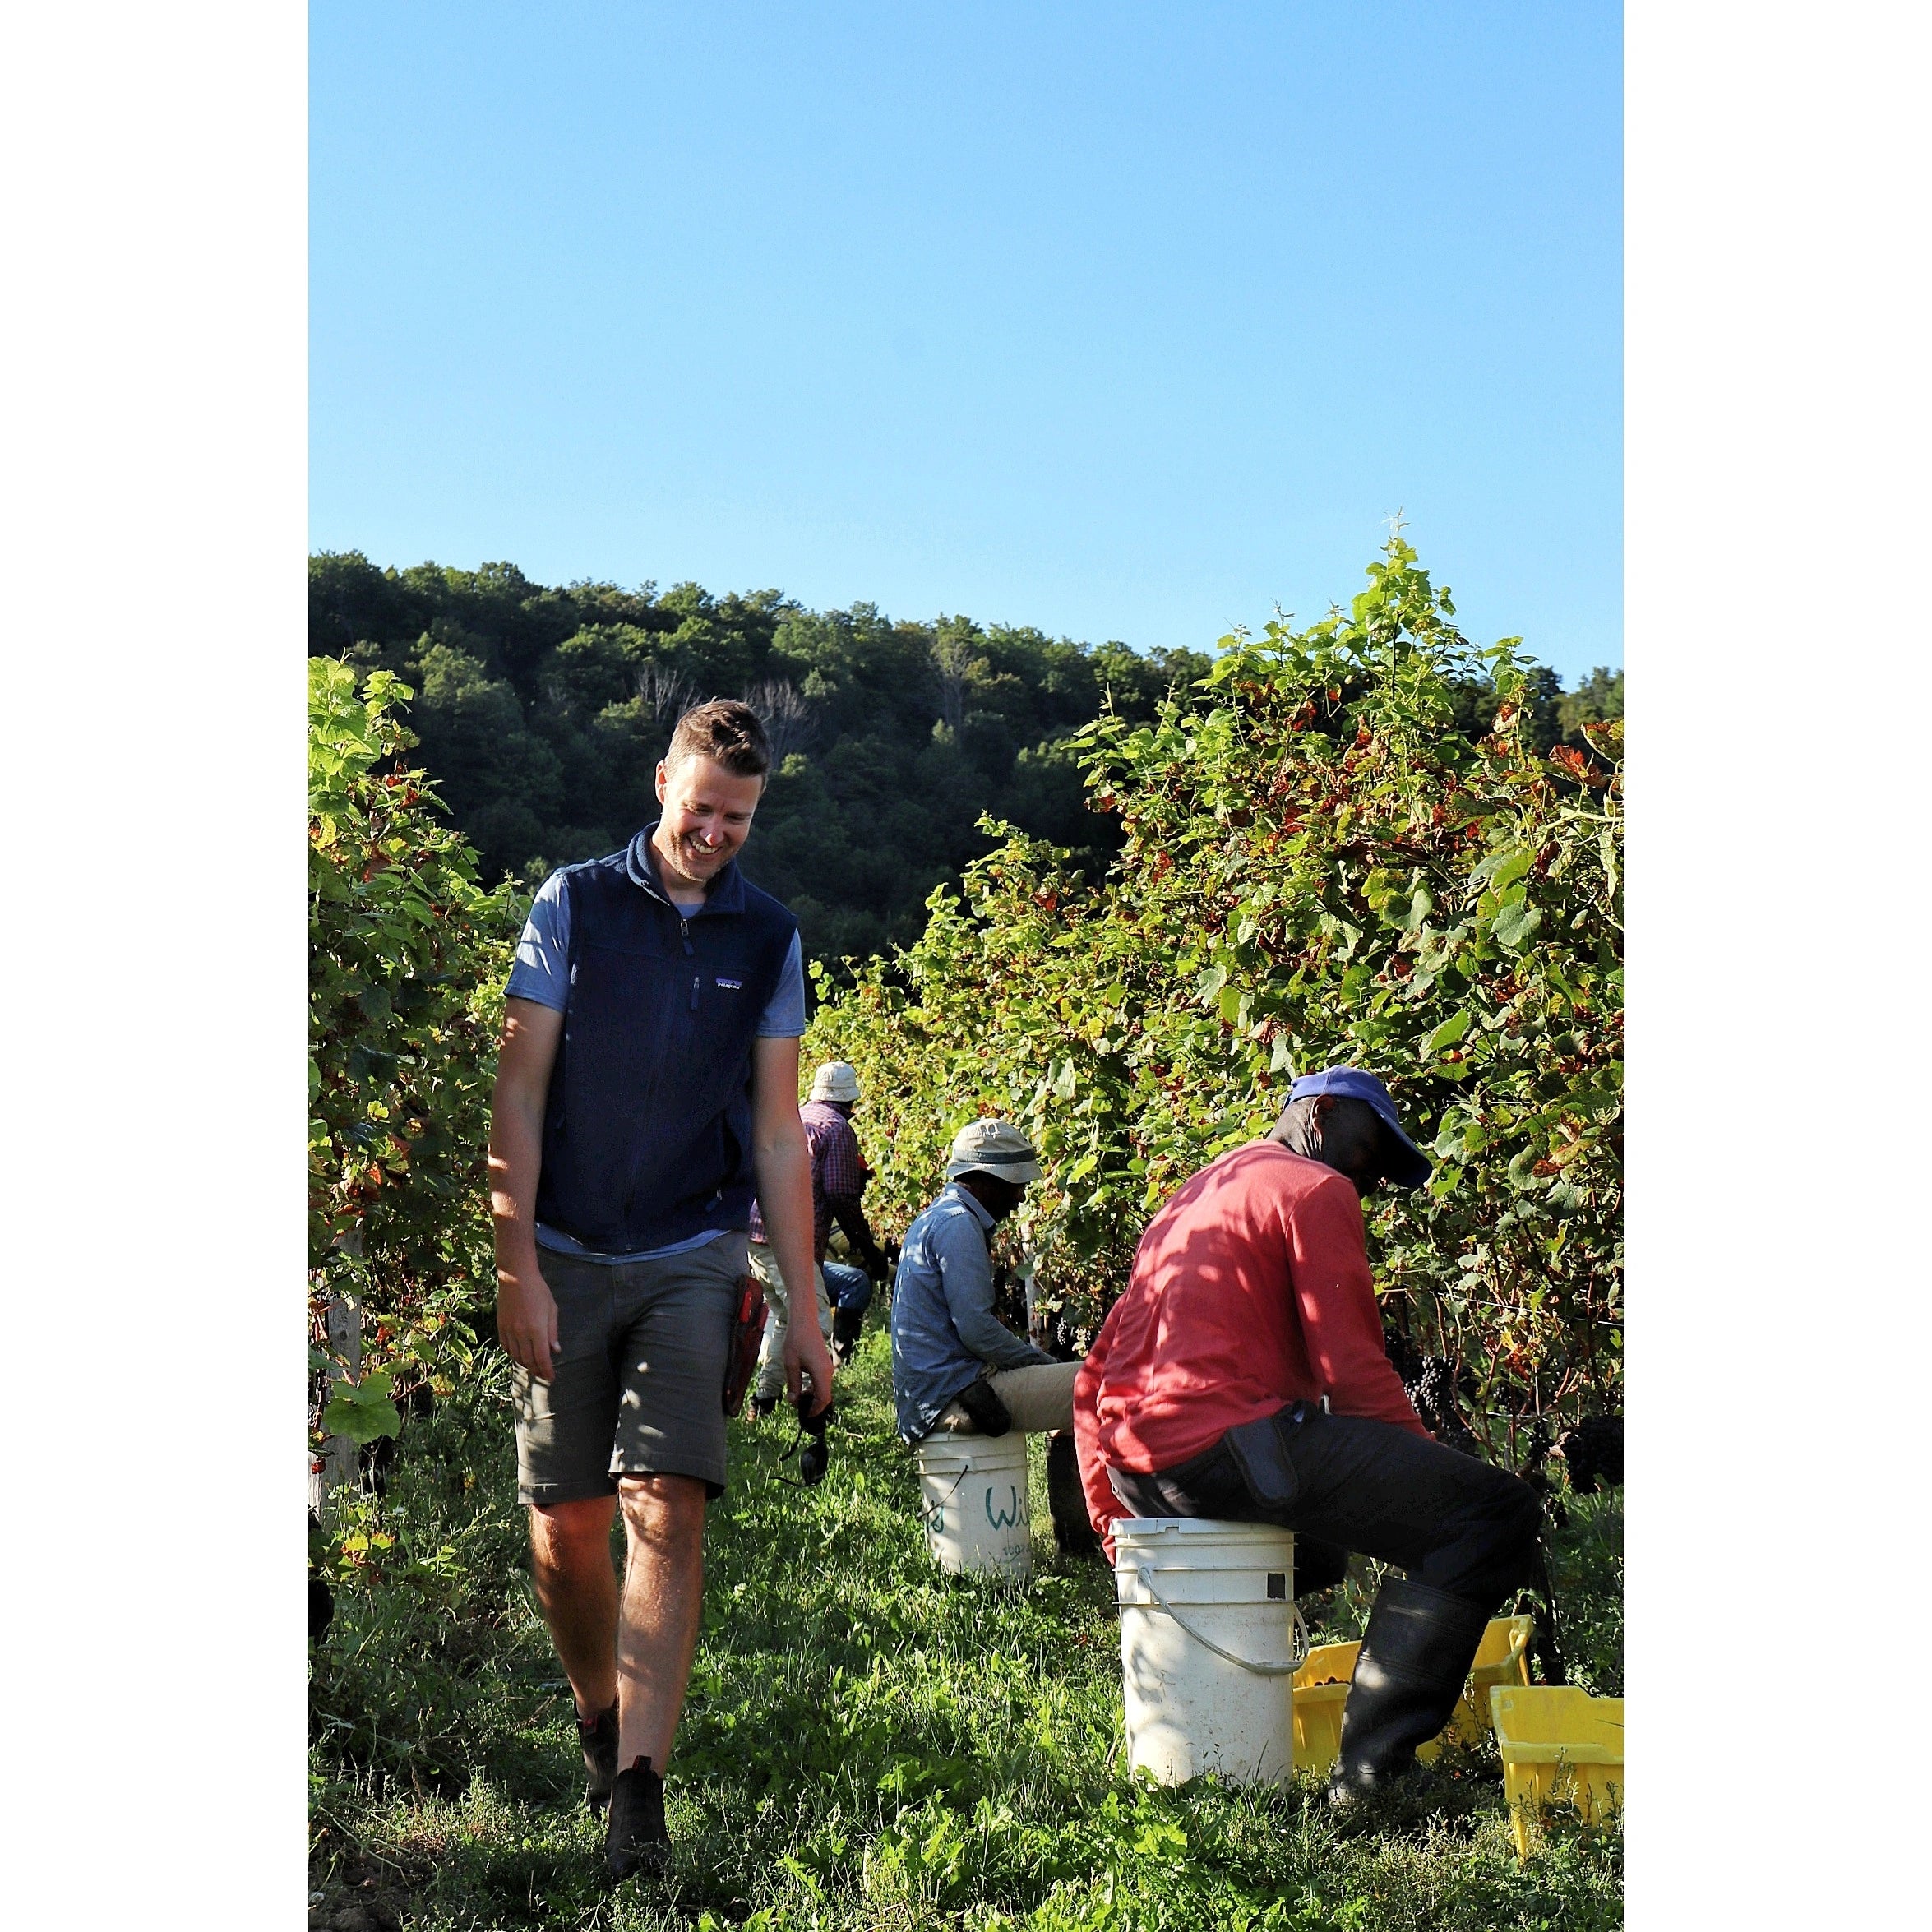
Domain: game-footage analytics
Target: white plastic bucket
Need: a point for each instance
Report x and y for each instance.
(1210, 1641)
(973, 1499)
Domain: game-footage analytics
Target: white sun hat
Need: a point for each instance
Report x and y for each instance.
(997, 1147)
(837, 1080)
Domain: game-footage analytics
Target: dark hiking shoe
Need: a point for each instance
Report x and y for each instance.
(847, 1325)
(1450, 1792)
(600, 1740)
(1390, 1803)
(635, 1840)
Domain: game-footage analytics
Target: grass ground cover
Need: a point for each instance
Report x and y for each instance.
(866, 1745)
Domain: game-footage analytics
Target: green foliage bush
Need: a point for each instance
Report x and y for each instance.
(407, 957)
(1322, 862)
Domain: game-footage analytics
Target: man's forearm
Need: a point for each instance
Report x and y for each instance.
(526, 1311)
(531, 1033)
(989, 1337)
(968, 1278)
(516, 1157)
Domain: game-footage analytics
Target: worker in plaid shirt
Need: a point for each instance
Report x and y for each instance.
(838, 1178)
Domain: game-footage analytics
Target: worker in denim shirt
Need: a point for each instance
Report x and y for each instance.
(957, 1368)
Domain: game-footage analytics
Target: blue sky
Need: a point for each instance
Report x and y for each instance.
(1124, 321)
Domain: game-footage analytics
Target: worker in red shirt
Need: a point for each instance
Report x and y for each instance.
(1242, 1376)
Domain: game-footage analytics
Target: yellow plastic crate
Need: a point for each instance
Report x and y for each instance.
(1321, 1688)
(1558, 1744)
(1502, 1657)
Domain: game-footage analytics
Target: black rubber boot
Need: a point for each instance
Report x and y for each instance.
(1415, 1654)
(635, 1840)
(600, 1740)
(1072, 1530)
(847, 1325)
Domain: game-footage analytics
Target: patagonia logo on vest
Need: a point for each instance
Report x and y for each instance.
(732, 986)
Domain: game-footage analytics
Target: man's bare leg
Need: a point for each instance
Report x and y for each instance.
(658, 1618)
(577, 1592)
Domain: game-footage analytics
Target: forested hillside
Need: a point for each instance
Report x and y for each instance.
(543, 712)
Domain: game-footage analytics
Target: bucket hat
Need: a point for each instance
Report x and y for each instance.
(835, 1080)
(993, 1147)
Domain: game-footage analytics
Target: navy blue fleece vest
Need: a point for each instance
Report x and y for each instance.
(647, 1134)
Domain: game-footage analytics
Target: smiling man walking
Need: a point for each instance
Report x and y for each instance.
(647, 1087)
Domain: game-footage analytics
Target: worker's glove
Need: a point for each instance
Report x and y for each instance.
(981, 1401)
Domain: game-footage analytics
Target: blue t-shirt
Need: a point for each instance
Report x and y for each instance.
(543, 973)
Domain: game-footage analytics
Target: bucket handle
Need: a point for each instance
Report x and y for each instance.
(1299, 1657)
(955, 1490)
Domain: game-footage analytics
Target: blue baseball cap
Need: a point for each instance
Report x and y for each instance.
(1353, 1083)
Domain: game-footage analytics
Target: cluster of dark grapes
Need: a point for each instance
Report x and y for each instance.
(1593, 1453)
(1432, 1385)
(1433, 1389)
(1535, 1471)
(1404, 1357)
(1434, 1392)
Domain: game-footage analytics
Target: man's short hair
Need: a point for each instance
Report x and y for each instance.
(727, 732)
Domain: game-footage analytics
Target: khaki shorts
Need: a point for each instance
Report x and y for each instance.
(1039, 1398)
(638, 1374)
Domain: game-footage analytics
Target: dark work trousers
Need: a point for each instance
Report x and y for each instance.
(1341, 1483)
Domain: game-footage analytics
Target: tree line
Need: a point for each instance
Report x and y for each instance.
(542, 712)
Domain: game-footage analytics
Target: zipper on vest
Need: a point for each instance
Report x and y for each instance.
(695, 978)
